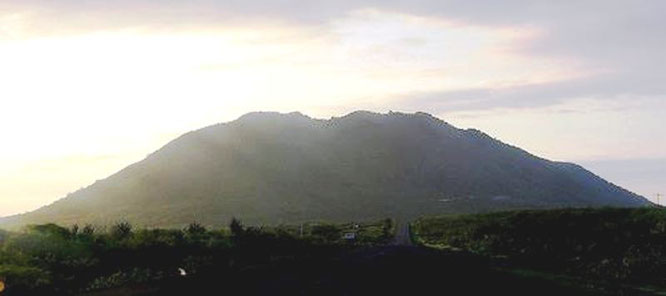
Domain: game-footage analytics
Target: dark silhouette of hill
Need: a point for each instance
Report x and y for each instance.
(284, 168)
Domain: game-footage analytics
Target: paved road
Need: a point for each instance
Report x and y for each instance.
(402, 237)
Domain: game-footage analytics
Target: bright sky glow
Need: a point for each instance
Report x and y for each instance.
(78, 105)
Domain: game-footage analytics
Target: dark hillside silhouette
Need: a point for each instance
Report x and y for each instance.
(276, 168)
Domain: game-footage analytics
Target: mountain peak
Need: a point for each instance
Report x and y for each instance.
(354, 115)
(271, 115)
(269, 167)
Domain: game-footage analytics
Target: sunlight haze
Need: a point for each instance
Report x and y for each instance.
(87, 89)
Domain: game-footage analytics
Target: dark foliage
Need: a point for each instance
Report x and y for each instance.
(53, 260)
(312, 259)
(195, 229)
(627, 245)
(326, 232)
(121, 230)
(236, 227)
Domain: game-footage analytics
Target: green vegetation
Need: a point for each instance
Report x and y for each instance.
(365, 233)
(50, 259)
(615, 245)
(553, 252)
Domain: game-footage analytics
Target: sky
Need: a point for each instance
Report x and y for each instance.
(88, 87)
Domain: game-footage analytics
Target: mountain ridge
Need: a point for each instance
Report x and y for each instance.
(270, 167)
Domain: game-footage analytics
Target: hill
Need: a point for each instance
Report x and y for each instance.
(277, 168)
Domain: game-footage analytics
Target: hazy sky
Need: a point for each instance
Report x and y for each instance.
(90, 86)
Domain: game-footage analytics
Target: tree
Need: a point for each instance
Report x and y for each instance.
(195, 229)
(88, 230)
(236, 227)
(51, 230)
(121, 230)
(74, 230)
(387, 225)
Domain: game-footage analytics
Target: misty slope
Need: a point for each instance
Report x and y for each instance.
(274, 168)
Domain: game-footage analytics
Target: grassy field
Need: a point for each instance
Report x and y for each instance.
(599, 245)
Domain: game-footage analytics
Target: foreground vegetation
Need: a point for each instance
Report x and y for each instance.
(49, 259)
(551, 252)
(612, 245)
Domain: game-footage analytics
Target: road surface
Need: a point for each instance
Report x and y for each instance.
(402, 235)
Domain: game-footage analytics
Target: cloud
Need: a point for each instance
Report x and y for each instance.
(622, 42)
(191, 63)
(618, 86)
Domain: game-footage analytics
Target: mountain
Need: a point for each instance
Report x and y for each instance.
(284, 168)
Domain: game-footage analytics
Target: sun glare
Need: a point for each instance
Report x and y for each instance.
(126, 92)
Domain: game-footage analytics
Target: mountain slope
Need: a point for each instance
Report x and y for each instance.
(275, 168)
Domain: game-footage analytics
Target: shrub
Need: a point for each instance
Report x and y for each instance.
(236, 227)
(121, 230)
(329, 233)
(195, 229)
(24, 279)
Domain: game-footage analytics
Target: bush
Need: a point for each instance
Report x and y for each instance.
(121, 230)
(133, 276)
(51, 230)
(606, 243)
(236, 227)
(329, 233)
(88, 230)
(24, 279)
(49, 259)
(195, 229)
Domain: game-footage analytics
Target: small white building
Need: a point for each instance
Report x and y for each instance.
(349, 236)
